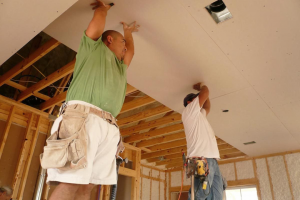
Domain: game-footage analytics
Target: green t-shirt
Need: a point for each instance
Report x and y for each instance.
(99, 77)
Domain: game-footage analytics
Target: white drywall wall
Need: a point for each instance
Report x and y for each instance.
(293, 163)
(155, 190)
(155, 173)
(175, 178)
(146, 189)
(263, 178)
(227, 171)
(162, 191)
(279, 178)
(146, 171)
(244, 170)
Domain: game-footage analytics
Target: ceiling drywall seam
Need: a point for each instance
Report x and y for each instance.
(239, 73)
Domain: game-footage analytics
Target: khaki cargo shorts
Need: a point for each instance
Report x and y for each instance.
(91, 152)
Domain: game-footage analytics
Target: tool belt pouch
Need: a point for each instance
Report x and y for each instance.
(67, 147)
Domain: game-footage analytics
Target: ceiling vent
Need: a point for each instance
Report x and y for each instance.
(219, 11)
(247, 143)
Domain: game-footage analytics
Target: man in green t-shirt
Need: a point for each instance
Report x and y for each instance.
(94, 99)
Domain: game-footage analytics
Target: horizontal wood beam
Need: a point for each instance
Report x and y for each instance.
(229, 151)
(172, 165)
(171, 161)
(185, 188)
(151, 124)
(22, 88)
(164, 152)
(160, 147)
(23, 106)
(143, 115)
(136, 103)
(161, 140)
(62, 97)
(53, 101)
(127, 172)
(130, 89)
(52, 78)
(155, 133)
(27, 62)
(244, 182)
(224, 146)
(167, 157)
(234, 155)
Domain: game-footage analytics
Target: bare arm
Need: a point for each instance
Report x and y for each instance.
(129, 41)
(97, 24)
(206, 106)
(204, 93)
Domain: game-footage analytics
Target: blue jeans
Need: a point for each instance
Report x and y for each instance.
(215, 184)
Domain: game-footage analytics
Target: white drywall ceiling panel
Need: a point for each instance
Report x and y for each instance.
(172, 51)
(261, 43)
(20, 21)
(289, 114)
(250, 119)
(249, 67)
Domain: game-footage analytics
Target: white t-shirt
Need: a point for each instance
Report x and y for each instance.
(200, 137)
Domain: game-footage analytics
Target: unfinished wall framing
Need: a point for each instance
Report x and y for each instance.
(276, 176)
(153, 183)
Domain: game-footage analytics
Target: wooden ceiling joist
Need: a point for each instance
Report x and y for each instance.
(53, 101)
(168, 145)
(27, 62)
(229, 151)
(167, 157)
(154, 133)
(161, 140)
(166, 162)
(62, 97)
(151, 124)
(224, 146)
(164, 152)
(143, 115)
(52, 78)
(22, 88)
(136, 103)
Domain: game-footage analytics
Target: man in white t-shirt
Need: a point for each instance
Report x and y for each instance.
(201, 142)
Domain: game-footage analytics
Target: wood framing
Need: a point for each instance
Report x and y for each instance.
(144, 115)
(244, 182)
(161, 140)
(288, 176)
(23, 157)
(155, 133)
(28, 162)
(6, 129)
(27, 62)
(55, 76)
(168, 145)
(142, 101)
(151, 124)
(164, 152)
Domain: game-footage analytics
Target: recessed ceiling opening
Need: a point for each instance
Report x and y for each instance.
(247, 143)
(219, 11)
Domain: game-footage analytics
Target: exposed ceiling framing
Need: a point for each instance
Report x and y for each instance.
(144, 122)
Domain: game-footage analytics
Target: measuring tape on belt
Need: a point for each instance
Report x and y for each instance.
(197, 166)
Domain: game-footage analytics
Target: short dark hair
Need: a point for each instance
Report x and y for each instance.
(189, 97)
(109, 32)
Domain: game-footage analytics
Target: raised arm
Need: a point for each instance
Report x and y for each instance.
(97, 24)
(128, 29)
(203, 95)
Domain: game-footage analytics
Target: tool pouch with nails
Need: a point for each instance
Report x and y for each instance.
(67, 147)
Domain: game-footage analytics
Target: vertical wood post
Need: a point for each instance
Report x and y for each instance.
(33, 144)
(6, 129)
